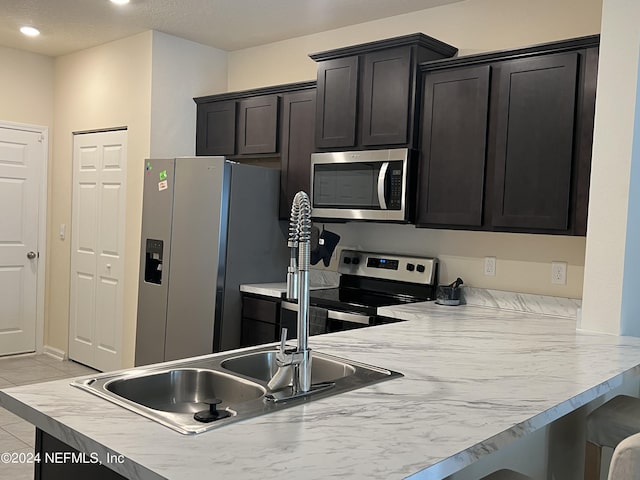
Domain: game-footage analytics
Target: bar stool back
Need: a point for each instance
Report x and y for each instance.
(506, 474)
(607, 426)
(625, 463)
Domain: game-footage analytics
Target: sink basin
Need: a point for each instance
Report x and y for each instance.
(171, 393)
(262, 366)
(183, 390)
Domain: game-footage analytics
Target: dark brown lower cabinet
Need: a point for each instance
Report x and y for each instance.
(260, 320)
(454, 136)
(59, 461)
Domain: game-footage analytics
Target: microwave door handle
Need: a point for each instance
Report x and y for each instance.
(382, 176)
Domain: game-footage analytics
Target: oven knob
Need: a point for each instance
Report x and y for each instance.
(356, 260)
(347, 260)
(420, 268)
(411, 267)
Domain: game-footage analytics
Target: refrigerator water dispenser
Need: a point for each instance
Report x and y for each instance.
(153, 261)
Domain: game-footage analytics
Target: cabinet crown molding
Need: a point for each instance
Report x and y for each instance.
(510, 54)
(418, 39)
(271, 90)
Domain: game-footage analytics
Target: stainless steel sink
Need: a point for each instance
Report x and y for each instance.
(262, 366)
(171, 394)
(184, 390)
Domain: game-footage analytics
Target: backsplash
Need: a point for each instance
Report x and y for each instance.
(523, 261)
(521, 302)
(483, 297)
(323, 278)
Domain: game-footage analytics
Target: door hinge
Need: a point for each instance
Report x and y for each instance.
(41, 139)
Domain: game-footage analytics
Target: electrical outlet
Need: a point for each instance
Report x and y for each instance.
(490, 266)
(559, 273)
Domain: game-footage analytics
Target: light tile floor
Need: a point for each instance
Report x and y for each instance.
(16, 435)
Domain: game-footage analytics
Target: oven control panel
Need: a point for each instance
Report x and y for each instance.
(389, 267)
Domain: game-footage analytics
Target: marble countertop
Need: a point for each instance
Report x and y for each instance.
(474, 380)
(318, 279)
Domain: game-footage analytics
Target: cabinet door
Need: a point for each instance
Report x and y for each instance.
(49, 446)
(216, 128)
(454, 133)
(337, 103)
(298, 120)
(258, 125)
(584, 138)
(255, 332)
(534, 142)
(260, 320)
(385, 96)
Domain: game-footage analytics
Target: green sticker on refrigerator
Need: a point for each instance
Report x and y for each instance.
(163, 175)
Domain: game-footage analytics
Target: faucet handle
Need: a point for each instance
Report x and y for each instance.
(283, 340)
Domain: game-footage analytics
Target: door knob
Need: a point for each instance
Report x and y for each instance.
(31, 255)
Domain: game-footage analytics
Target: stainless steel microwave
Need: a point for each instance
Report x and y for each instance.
(362, 185)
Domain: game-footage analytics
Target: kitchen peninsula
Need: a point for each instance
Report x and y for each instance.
(475, 380)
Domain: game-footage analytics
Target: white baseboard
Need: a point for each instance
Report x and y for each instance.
(54, 352)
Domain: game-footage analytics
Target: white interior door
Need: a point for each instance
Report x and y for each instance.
(22, 157)
(97, 249)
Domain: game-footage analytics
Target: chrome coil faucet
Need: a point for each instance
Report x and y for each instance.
(299, 241)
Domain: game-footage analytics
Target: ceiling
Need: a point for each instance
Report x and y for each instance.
(70, 25)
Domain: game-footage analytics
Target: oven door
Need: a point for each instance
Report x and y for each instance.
(321, 320)
(366, 185)
(339, 321)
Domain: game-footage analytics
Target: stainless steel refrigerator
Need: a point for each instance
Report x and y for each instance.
(208, 225)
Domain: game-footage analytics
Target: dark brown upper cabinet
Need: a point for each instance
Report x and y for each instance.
(522, 164)
(337, 104)
(534, 141)
(386, 86)
(216, 128)
(367, 93)
(258, 125)
(454, 134)
(243, 124)
(297, 140)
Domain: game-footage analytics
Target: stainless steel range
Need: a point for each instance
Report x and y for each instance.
(368, 281)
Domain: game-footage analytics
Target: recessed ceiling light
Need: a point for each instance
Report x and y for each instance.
(30, 31)
(120, 2)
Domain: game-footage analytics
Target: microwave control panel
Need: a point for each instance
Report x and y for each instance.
(395, 191)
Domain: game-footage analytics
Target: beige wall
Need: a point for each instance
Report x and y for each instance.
(472, 25)
(181, 70)
(102, 87)
(523, 261)
(26, 83)
(146, 83)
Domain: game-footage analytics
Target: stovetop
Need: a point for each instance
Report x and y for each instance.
(372, 280)
(352, 299)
